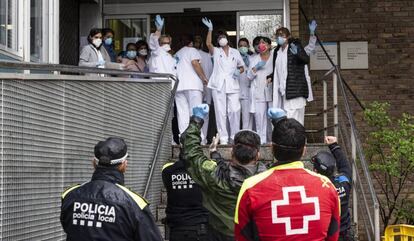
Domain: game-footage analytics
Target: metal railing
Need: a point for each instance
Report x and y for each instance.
(353, 146)
(57, 68)
(365, 205)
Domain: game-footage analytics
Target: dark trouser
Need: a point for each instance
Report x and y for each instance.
(214, 235)
(346, 236)
(189, 233)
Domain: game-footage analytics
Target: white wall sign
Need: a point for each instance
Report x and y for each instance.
(319, 61)
(354, 55)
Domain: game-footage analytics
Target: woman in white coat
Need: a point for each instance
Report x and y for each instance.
(224, 82)
(261, 89)
(245, 84)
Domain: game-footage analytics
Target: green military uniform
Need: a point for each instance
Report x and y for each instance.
(219, 180)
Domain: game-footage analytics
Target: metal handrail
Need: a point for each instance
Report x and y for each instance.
(78, 69)
(356, 146)
(89, 70)
(361, 156)
(164, 127)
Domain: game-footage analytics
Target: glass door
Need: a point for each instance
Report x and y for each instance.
(260, 23)
(128, 29)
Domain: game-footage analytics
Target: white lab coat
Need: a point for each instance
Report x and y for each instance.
(224, 67)
(310, 49)
(160, 61)
(226, 92)
(295, 108)
(190, 87)
(189, 80)
(261, 94)
(245, 97)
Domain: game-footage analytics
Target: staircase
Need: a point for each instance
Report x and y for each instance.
(336, 119)
(225, 151)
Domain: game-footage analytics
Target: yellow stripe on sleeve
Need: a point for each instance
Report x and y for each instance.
(141, 202)
(69, 190)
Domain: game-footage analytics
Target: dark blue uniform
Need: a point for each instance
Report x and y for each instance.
(103, 210)
(186, 216)
(342, 182)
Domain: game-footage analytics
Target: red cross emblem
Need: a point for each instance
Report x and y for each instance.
(297, 206)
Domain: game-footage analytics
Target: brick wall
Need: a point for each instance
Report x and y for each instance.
(388, 26)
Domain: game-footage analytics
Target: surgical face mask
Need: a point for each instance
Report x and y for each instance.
(143, 52)
(243, 50)
(281, 40)
(97, 42)
(108, 41)
(131, 54)
(166, 47)
(223, 42)
(262, 47)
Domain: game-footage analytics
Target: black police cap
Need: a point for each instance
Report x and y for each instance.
(112, 151)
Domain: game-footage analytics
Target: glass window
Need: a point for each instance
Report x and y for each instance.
(252, 25)
(127, 31)
(38, 31)
(8, 25)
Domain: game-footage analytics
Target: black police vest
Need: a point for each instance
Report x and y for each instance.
(343, 187)
(185, 200)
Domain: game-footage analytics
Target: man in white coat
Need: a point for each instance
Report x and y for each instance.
(224, 82)
(161, 61)
(192, 79)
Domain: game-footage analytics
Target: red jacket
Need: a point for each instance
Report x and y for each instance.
(287, 202)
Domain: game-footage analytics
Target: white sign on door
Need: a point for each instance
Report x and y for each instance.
(354, 55)
(319, 61)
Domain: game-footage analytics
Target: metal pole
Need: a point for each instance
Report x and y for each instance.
(377, 222)
(335, 103)
(160, 138)
(354, 180)
(325, 108)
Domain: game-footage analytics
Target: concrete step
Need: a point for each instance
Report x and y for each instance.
(265, 151)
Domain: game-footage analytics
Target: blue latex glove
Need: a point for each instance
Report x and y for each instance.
(159, 22)
(100, 62)
(208, 23)
(260, 65)
(312, 27)
(275, 113)
(236, 74)
(201, 111)
(293, 48)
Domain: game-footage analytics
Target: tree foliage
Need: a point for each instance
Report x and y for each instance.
(390, 151)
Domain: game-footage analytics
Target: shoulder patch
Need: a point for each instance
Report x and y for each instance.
(141, 202)
(167, 165)
(326, 182)
(69, 189)
(341, 178)
(209, 165)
